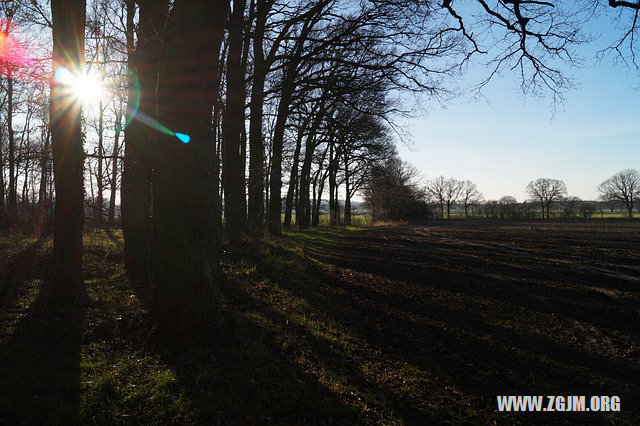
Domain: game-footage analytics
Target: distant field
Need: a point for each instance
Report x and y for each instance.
(486, 308)
(383, 325)
(356, 219)
(597, 215)
(364, 219)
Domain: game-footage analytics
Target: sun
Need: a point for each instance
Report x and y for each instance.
(88, 87)
(85, 86)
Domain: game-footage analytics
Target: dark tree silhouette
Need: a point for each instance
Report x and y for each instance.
(546, 192)
(139, 138)
(68, 156)
(470, 196)
(392, 193)
(233, 128)
(185, 257)
(623, 187)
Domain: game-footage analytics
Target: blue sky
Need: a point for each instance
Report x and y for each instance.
(510, 140)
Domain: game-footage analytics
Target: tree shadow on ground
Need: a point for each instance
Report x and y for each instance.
(480, 337)
(248, 370)
(39, 349)
(372, 326)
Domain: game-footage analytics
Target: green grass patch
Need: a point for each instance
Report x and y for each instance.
(286, 349)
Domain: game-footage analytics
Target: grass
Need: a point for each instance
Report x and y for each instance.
(272, 359)
(357, 220)
(331, 325)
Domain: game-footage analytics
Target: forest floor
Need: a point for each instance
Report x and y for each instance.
(422, 324)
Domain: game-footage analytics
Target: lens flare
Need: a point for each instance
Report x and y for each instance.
(183, 138)
(87, 87)
(84, 86)
(12, 53)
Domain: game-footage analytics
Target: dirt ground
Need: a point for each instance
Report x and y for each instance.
(380, 325)
(488, 308)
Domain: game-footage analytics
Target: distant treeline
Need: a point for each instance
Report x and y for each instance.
(394, 193)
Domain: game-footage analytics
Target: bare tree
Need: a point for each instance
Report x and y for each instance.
(185, 239)
(138, 137)
(507, 207)
(609, 201)
(546, 192)
(571, 206)
(536, 39)
(233, 127)
(470, 196)
(624, 187)
(68, 157)
(452, 191)
(436, 189)
(392, 193)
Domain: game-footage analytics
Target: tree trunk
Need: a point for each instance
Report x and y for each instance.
(100, 182)
(217, 134)
(275, 181)
(139, 137)
(25, 184)
(12, 196)
(313, 211)
(256, 141)
(337, 200)
(2, 183)
(185, 251)
(233, 121)
(303, 209)
(243, 129)
(43, 200)
(315, 221)
(293, 179)
(347, 196)
(114, 176)
(267, 174)
(334, 202)
(68, 17)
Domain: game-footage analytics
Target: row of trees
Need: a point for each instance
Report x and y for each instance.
(318, 84)
(279, 102)
(620, 190)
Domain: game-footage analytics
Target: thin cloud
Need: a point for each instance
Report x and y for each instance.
(519, 152)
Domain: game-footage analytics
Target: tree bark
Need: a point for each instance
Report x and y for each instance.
(274, 224)
(3, 210)
(232, 123)
(217, 134)
(256, 142)
(12, 196)
(44, 176)
(100, 182)
(313, 213)
(303, 210)
(334, 203)
(347, 196)
(138, 137)
(185, 250)
(114, 176)
(68, 17)
(315, 220)
(293, 179)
